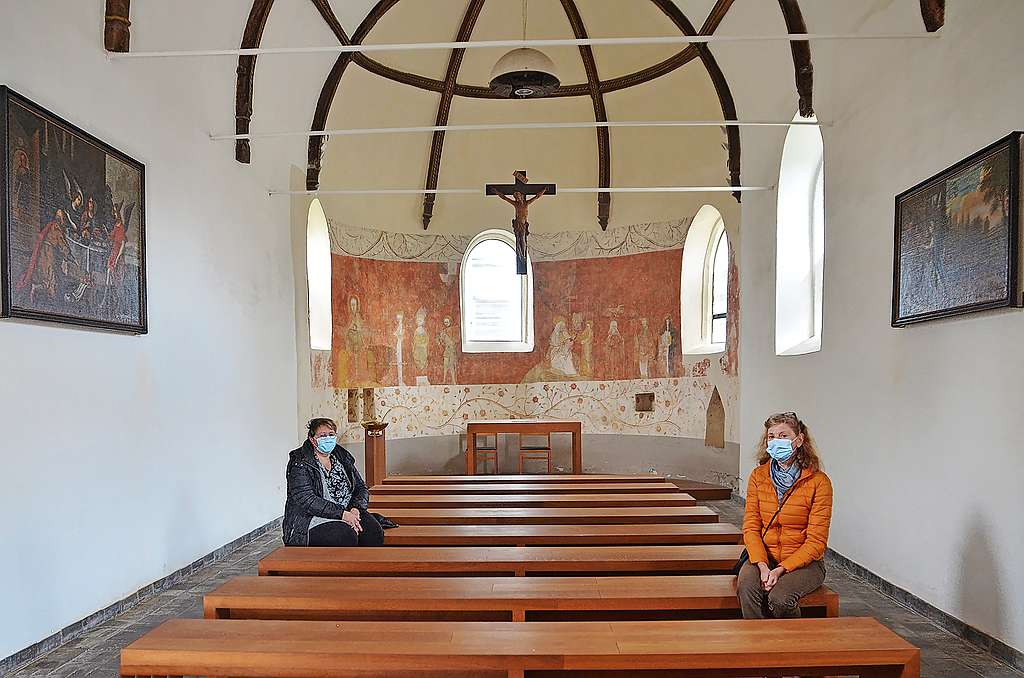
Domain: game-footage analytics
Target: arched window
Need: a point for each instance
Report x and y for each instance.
(719, 288)
(497, 304)
(704, 289)
(318, 277)
(800, 242)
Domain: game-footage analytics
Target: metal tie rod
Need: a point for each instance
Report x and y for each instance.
(512, 44)
(519, 126)
(477, 191)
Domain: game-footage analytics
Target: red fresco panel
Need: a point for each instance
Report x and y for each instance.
(595, 319)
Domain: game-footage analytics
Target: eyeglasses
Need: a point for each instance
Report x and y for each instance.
(782, 415)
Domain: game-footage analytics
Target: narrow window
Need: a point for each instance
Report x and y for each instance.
(318, 277)
(800, 242)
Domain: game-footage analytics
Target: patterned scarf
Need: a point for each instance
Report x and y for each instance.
(783, 478)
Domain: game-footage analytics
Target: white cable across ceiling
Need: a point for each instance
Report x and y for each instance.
(512, 44)
(482, 192)
(518, 126)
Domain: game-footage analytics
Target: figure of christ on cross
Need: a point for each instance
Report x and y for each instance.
(515, 195)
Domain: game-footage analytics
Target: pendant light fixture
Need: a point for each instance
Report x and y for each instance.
(524, 73)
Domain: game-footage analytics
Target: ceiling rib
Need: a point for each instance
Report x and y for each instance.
(604, 175)
(246, 74)
(116, 26)
(330, 88)
(934, 14)
(717, 77)
(801, 56)
(444, 106)
(316, 143)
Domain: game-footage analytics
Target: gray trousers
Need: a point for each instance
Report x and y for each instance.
(783, 601)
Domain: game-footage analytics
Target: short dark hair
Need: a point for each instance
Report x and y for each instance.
(317, 422)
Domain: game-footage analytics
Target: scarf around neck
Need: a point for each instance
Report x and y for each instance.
(782, 478)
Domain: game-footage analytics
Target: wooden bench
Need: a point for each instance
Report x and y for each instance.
(327, 649)
(521, 488)
(499, 560)
(454, 500)
(562, 535)
(526, 478)
(549, 516)
(488, 598)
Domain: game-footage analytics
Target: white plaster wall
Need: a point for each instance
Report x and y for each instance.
(919, 428)
(124, 458)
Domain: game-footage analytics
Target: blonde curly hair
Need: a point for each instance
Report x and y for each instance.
(806, 454)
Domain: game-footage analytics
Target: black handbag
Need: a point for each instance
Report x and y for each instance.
(744, 556)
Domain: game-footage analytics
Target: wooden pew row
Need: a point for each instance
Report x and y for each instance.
(454, 500)
(495, 561)
(522, 488)
(562, 535)
(488, 598)
(328, 649)
(526, 478)
(549, 516)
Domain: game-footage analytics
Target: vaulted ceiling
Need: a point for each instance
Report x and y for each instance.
(449, 87)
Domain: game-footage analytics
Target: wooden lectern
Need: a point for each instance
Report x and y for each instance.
(374, 444)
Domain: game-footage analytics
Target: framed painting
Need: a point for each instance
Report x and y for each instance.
(957, 238)
(72, 223)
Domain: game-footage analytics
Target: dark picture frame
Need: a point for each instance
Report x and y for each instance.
(72, 223)
(957, 238)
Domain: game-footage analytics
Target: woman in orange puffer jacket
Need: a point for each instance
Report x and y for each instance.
(785, 554)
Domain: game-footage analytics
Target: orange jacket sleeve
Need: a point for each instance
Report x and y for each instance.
(752, 525)
(818, 522)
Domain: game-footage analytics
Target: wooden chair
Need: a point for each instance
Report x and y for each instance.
(486, 452)
(540, 450)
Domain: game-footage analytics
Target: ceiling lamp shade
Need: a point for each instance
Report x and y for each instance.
(524, 74)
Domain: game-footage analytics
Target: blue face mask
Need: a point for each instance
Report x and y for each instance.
(780, 449)
(326, 444)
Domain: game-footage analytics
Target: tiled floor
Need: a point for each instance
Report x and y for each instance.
(96, 652)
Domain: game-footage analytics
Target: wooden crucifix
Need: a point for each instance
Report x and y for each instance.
(515, 195)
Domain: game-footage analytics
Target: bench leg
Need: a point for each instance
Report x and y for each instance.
(516, 673)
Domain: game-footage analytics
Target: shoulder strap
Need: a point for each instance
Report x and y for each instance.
(782, 503)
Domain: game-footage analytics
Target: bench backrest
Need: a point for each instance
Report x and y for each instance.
(562, 535)
(542, 516)
(455, 500)
(498, 560)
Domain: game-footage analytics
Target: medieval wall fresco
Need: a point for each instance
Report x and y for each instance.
(399, 323)
(607, 326)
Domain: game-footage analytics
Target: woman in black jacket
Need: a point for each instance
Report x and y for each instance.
(327, 498)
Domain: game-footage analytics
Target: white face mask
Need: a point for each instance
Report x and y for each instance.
(780, 449)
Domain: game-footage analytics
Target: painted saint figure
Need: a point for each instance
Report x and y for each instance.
(420, 341)
(399, 340)
(49, 259)
(586, 341)
(22, 185)
(447, 344)
(355, 344)
(644, 346)
(560, 349)
(613, 351)
(667, 349)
